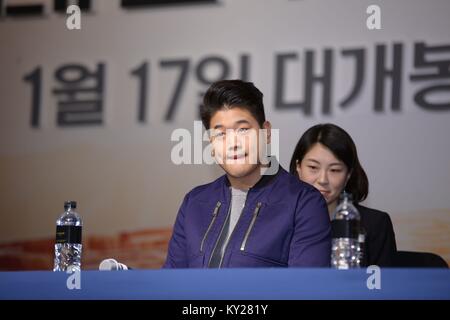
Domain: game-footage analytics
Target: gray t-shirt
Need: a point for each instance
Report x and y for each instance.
(237, 204)
(238, 198)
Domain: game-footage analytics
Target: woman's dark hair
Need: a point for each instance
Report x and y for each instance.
(342, 146)
(232, 93)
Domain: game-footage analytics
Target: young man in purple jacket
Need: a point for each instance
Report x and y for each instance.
(251, 216)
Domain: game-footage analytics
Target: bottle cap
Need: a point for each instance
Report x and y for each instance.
(70, 204)
(344, 195)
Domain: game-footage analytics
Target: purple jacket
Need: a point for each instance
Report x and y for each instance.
(284, 223)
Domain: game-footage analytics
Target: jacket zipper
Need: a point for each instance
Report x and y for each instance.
(255, 215)
(218, 238)
(237, 223)
(232, 232)
(216, 210)
(221, 230)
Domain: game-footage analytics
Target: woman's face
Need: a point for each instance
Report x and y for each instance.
(324, 171)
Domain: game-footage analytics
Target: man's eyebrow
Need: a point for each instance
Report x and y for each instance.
(242, 121)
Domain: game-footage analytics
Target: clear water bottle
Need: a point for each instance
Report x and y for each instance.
(68, 239)
(347, 240)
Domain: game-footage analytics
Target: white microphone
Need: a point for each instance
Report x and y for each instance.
(111, 265)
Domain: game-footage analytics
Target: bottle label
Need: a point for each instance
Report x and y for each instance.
(68, 234)
(345, 229)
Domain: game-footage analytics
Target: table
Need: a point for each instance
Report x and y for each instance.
(215, 284)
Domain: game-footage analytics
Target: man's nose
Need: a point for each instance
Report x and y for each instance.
(233, 143)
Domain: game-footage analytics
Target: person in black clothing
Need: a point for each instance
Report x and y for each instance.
(326, 157)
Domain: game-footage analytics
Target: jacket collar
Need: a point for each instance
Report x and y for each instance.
(265, 179)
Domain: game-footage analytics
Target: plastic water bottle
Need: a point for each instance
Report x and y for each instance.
(346, 245)
(68, 239)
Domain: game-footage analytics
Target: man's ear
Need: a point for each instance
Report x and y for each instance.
(211, 142)
(209, 132)
(267, 126)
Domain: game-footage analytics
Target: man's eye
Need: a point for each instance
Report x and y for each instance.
(243, 130)
(219, 134)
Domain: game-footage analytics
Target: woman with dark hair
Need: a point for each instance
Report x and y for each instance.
(326, 158)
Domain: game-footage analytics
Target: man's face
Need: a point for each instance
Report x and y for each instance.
(235, 141)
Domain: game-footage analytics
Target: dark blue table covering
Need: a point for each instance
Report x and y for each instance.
(229, 284)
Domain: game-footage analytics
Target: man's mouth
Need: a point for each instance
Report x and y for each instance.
(236, 156)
